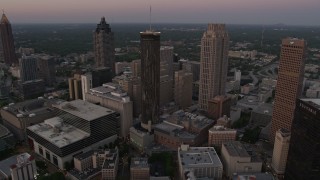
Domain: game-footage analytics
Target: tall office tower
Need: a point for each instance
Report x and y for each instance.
(136, 68)
(46, 69)
(213, 63)
(28, 65)
(150, 78)
(304, 151)
(280, 151)
(103, 42)
(75, 87)
(7, 43)
(183, 88)
(166, 56)
(289, 85)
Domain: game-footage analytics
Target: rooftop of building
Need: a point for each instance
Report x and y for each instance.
(238, 149)
(199, 157)
(139, 162)
(150, 32)
(315, 102)
(284, 132)
(174, 130)
(265, 108)
(6, 163)
(198, 121)
(221, 128)
(58, 133)
(111, 156)
(85, 110)
(110, 90)
(33, 107)
(84, 175)
(253, 176)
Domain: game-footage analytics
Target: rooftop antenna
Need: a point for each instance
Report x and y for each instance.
(150, 19)
(2, 11)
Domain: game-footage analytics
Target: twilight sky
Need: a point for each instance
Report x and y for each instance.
(296, 12)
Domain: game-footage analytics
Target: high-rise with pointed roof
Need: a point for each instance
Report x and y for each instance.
(7, 51)
(103, 41)
(213, 63)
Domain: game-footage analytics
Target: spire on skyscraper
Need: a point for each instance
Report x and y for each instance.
(4, 19)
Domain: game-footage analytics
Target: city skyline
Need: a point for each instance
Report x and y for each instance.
(229, 12)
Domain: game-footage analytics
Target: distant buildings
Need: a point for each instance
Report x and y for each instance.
(46, 69)
(103, 44)
(140, 138)
(30, 89)
(150, 78)
(220, 134)
(213, 63)
(94, 164)
(166, 56)
(78, 127)
(183, 89)
(25, 168)
(238, 158)
(7, 49)
(199, 162)
(280, 151)
(192, 67)
(166, 90)
(290, 82)
(262, 115)
(139, 169)
(17, 117)
(182, 128)
(75, 87)
(28, 68)
(303, 157)
(111, 96)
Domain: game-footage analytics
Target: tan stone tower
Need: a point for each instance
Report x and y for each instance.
(289, 85)
(213, 63)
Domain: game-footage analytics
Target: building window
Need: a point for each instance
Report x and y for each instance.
(41, 150)
(55, 160)
(48, 155)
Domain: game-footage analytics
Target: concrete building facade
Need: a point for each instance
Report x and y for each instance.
(280, 151)
(289, 84)
(213, 63)
(236, 159)
(111, 96)
(139, 169)
(183, 89)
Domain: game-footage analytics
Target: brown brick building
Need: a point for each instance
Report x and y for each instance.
(290, 83)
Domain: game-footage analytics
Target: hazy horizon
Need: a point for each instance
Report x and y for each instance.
(250, 12)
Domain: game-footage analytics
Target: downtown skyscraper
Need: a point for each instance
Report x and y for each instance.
(289, 84)
(213, 63)
(7, 50)
(103, 41)
(150, 78)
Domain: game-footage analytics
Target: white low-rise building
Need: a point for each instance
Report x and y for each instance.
(199, 162)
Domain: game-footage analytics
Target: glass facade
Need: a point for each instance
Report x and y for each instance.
(304, 152)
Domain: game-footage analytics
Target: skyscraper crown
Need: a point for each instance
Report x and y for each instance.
(4, 19)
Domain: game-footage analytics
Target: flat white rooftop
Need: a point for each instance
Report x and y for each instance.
(199, 157)
(84, 109)
(57, 132)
